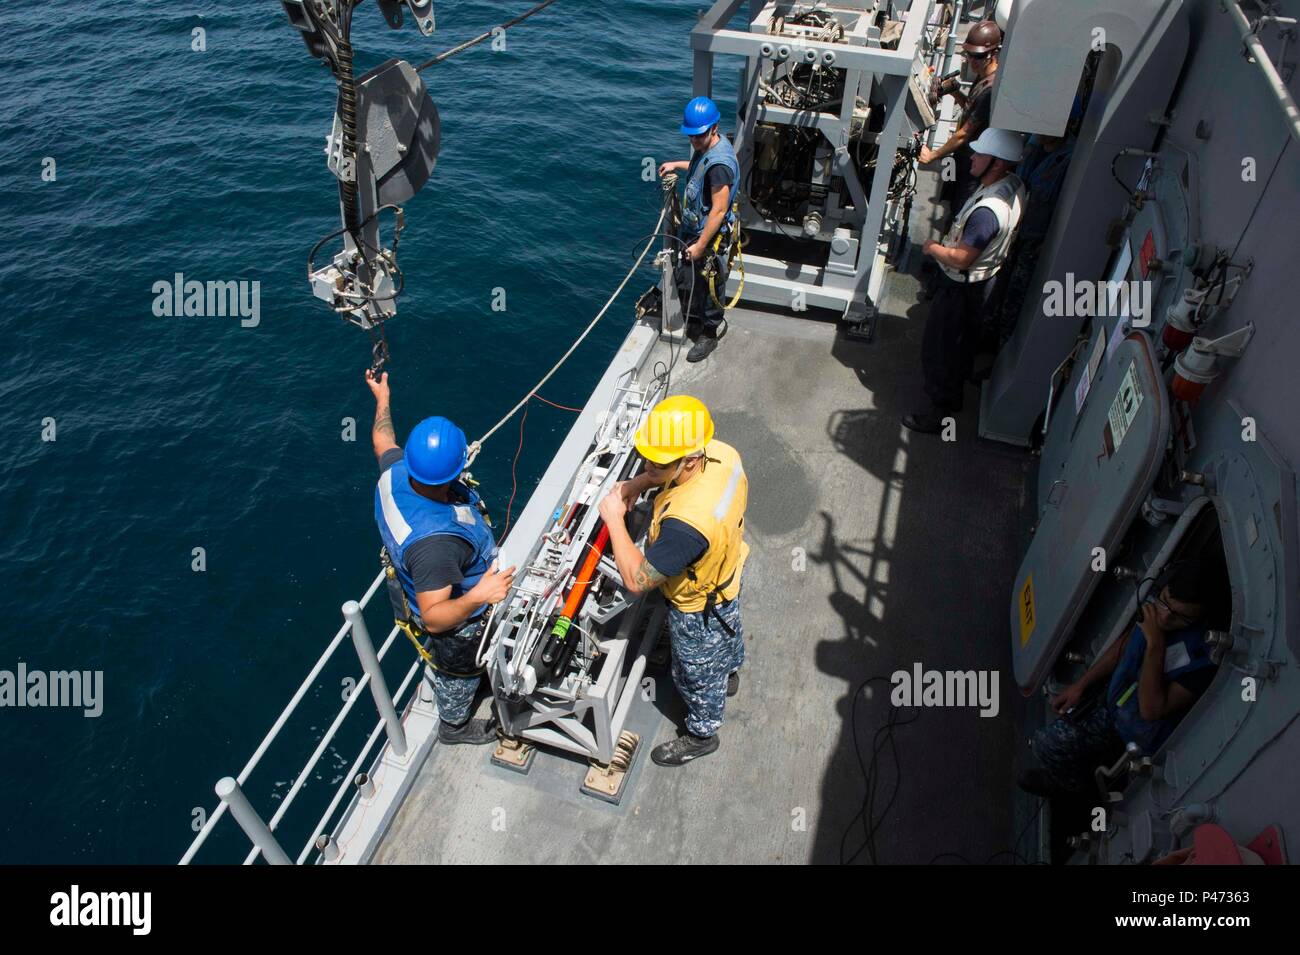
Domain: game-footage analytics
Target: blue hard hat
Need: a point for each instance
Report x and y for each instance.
(700, 116)
(436, 451)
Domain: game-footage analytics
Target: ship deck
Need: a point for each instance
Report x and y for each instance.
(873, 549)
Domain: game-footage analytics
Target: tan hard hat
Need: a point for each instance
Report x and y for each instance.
(984, 37)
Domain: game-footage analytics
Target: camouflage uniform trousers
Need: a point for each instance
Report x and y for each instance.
(704, 655)
(455, 651)
(1069, 751)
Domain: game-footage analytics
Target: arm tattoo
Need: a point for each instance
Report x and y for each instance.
(646, 577)
(384, 422)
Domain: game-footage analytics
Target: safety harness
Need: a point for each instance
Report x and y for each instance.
(405, 619)
(711, 601)
(735, 251)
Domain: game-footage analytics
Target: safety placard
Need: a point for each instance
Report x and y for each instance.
(1123, 409)
(1090, 372)
(1026, 604)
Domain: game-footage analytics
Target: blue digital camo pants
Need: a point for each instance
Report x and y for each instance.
(1070, 751)
(455, 652)
(704, 654)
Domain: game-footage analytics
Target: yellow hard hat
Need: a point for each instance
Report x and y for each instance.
(677, 426)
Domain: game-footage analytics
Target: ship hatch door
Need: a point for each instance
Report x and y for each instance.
(1111, 465)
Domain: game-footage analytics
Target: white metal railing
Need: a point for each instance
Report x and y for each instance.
(230, 789)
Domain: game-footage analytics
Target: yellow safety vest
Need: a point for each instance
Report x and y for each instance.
(712, 502)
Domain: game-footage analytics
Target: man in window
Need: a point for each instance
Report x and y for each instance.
(1152, 677)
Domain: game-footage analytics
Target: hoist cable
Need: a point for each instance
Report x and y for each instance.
(448, 54)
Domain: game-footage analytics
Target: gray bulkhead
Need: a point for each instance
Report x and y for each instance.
(1223, 180)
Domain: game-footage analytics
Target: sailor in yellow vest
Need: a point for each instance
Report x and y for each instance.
(695, 555)
(969, 257)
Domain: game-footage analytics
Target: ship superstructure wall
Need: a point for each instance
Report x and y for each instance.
(1185, 156)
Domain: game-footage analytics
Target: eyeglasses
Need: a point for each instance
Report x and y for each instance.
(1182, 620)
(977, 56)
(652, 465)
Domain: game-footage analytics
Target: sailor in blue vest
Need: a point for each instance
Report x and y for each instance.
(442, 553)
(1153, 676)
(708, 223)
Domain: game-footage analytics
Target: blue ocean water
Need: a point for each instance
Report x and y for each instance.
(178, 433)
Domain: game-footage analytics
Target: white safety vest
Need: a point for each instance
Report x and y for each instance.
(1006, 200)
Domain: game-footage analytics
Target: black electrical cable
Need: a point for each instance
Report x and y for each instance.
(346, 79)
(884, 736)
(675, 348)
(1115, 175)
(362, 245)
(1222, 261)
(1262, 193)
(871, 821)
(487, 35)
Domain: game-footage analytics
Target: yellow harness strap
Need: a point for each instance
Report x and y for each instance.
(417, 638)
(736, 251)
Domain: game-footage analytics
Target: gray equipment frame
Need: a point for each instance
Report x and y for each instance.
(556, 713)
(850, 282)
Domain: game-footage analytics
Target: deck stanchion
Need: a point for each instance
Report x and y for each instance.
(378, 688)
(259, 834)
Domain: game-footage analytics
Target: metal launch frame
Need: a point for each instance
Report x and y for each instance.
(565, 682)
(885, 52)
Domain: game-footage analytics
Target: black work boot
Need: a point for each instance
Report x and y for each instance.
(707, 341)
(702, 348)
(683, 749)
(733, 683)
(473, 732)
(926, 423)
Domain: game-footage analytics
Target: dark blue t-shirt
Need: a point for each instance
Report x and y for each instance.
(980, 229)
(677, 547)
(715, 176)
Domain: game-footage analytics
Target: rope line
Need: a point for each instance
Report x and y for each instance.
(477, 446)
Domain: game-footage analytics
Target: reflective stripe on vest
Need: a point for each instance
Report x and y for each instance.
(1006, 200)
(405, 516)
(695, 205)
(713, 503)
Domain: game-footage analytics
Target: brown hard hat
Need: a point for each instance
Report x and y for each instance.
(984, 37)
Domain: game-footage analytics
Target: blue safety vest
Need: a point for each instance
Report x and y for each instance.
(405, 517)
(697, 204)
(1185, 652)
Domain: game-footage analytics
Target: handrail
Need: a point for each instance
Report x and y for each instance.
(352, 772)
(325, 740)
(283, 718)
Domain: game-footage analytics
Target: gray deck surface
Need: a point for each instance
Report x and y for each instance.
(911, 545)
